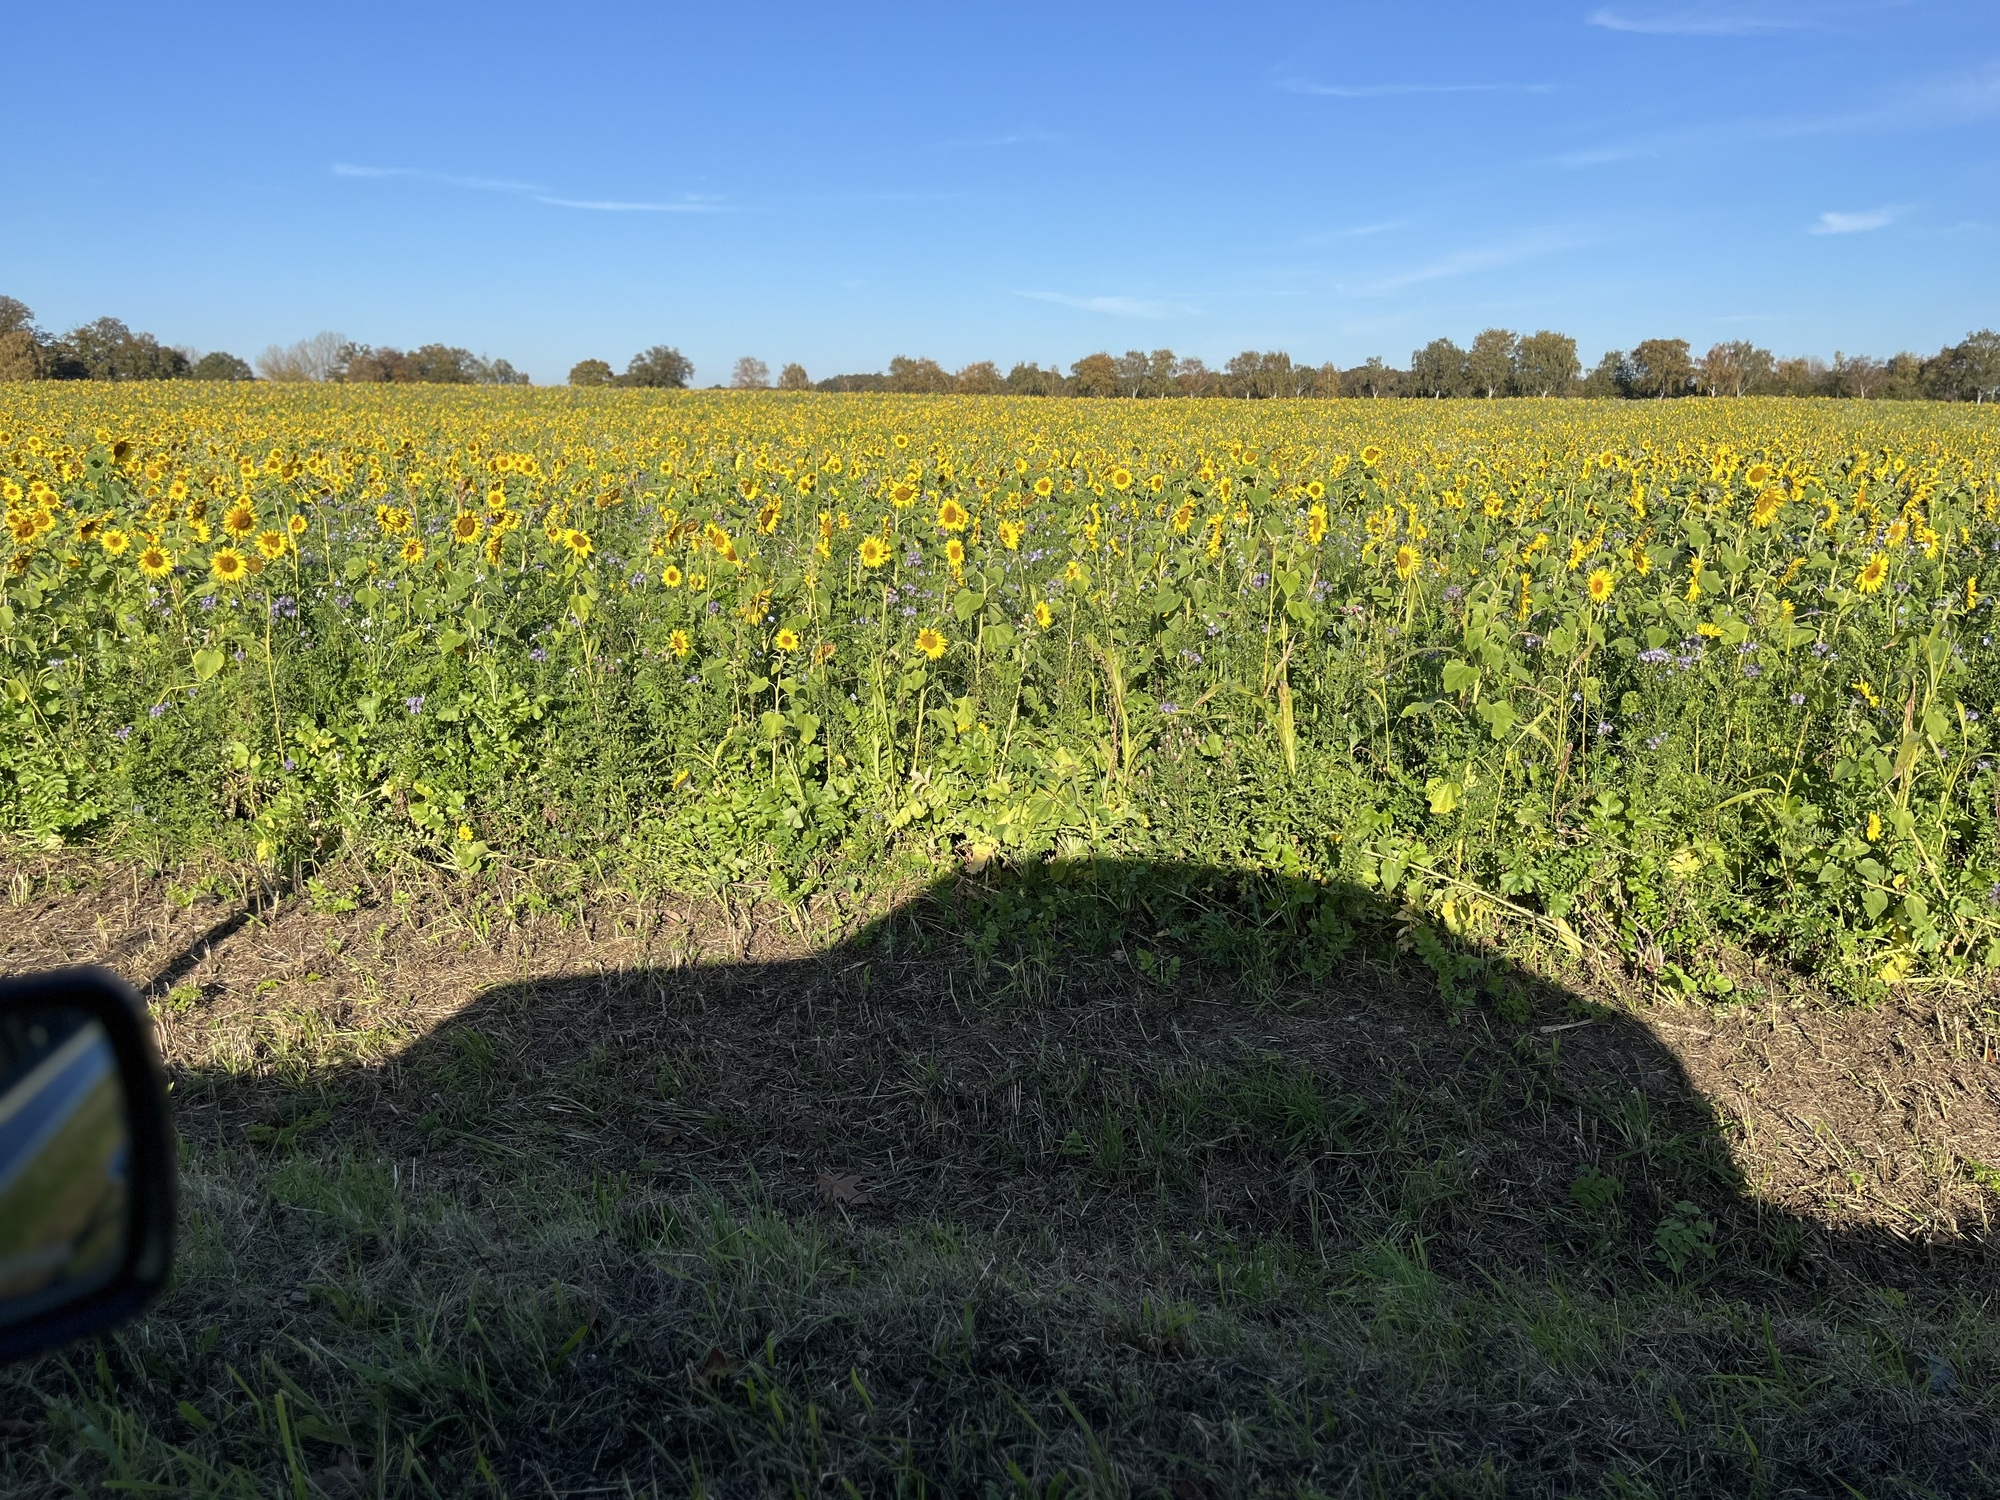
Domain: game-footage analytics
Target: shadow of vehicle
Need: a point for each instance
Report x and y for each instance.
(1114, 1177)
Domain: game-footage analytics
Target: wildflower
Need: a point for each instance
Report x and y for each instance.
(932, 643)
(786, 640)
(671, 576)
(412, 551)
(273, 544)
(874, 552)
(1874, 827)
(680, 643)
(1871, 576)
(1407, 558)
(114, 541)
(1044, 616)
(825, 651)
(229, 566)
(1598, 586)
(952, 516)
(414, 703)
(466, 527)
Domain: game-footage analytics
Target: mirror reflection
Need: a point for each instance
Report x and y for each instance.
(65, 1149)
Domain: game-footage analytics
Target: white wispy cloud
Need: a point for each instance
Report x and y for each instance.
(1011, 138)
(1476, 258)
(535, 191)
(1118, 307)
(1733, 17)
(1395, 90)
(1859, 222)
(443, 179)
(619, 206)
(1967, 96)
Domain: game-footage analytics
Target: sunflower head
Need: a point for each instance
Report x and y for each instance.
(1598, 586)
(931, 643)
(786, 639)
(229, 566)
(465, 527)
(272, 543)
(874, 552)
(156, 562)
(412, 551)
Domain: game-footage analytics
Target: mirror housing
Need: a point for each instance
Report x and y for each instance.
(87, 1164)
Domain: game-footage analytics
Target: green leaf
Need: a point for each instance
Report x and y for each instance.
(450, 640)
(1459, 676)
(1875, 902)
(207, 662)
(999, 637)
(1499, 716)
(965, 605)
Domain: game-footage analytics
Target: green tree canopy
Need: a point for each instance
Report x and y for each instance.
(660, 367)
(220, 365)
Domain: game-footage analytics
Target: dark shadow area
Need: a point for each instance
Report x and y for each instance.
(1148, 1178)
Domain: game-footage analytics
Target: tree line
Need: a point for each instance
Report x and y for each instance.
(109, 350)
(1498, 362)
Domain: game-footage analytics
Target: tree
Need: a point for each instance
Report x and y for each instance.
(1545, 364)
(1799, 377)
(793, 378)
(15, 317)
(360, 364)
(1438, 369)
(1094, 375)
(1734, 369)
(659, 368)
(22, 356)
(497, 372)
(590, 372)
(1662, 368)
(1261, 377)
(750, 375)
(1970, 369)
(1612, 377)
(1857, 375)
(321, 357)
(918, 377)
(107, 350)
(1903, 377)
(1489, 363)
(1028, 379)
(1193, 378)
(219, 365)
(1374, 379)
(980, 378)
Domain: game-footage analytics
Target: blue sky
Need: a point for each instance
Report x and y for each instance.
(840, 184)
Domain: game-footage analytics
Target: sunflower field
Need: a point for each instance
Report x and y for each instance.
(1660, 678)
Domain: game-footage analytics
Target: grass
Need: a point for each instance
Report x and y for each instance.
(496, 1189)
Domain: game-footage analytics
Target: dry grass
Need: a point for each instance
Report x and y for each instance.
(502, 1191)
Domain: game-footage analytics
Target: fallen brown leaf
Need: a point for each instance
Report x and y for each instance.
(715, 1365)
(844, 1188)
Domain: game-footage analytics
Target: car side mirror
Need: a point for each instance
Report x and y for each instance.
(86, 1159)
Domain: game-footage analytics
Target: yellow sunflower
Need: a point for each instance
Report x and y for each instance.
(239, 520)
(413, 551)
(156, 562)
(1407, 558)
(671, 576)
(465, 527)
(1871, 576)
(114, 541)
(874, 552)
(931, 643)
(1598, 586)
(229, 566)
(272, 544)
(786, 639)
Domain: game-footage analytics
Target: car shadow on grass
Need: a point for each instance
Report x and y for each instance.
(1106, 1177)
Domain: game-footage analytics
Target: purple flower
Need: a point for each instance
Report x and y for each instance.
(1653, 655)
(1654, 742)
(122, 732)
(156, 710)
(290, 764)
(1751, 669)
(538, 654)
(1170, 707)
(1797, 699)
(414, 703)
(284, 607)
